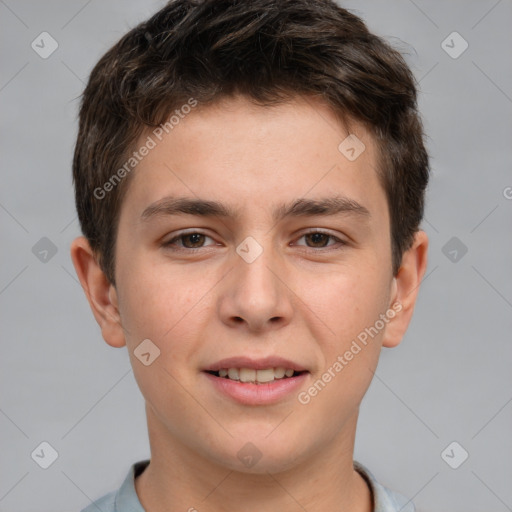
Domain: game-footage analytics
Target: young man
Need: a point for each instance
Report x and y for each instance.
(250, 180)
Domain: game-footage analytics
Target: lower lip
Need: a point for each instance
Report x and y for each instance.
(257, 394)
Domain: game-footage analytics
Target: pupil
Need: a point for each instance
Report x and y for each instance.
(317, 238)
(195, 238)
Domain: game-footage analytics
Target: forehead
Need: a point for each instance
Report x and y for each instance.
(244, 155)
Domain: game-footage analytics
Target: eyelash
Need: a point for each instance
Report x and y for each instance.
(169, 244)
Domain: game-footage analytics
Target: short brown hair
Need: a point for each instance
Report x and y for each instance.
(270, 51)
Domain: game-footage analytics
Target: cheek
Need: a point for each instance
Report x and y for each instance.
(167, 309)
(349, 304)
(156, 302)
(347, 301)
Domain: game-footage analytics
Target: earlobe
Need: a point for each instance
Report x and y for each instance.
(100, 293)
(405, 288)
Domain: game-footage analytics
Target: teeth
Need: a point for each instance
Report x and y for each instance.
(265, 375)
(247, 375)
(256, 376)
(233, 374)
(279, 372)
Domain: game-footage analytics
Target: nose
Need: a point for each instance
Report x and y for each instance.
(255, 295)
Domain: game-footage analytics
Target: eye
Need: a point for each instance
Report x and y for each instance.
(187, 241)
(195, 240)
(319, 239)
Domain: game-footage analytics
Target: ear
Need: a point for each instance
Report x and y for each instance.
(405, 289)
(100, 293)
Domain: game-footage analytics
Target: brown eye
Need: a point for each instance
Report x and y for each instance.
(195, 240)
(320, 240)
(187, 241)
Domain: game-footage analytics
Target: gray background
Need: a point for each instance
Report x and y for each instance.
(449, 380)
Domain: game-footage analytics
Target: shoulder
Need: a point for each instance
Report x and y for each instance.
(125, 499)
(384, 499)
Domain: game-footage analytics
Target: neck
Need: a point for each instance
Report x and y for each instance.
(180, 479)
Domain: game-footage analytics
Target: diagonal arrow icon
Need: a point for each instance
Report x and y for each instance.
(146, 352)
(249, 249)
(454, 455)
(44, 455)
(454, 45)
(44, 249)
(454, 249)
(249, 455)
(351, 147)
(44, 45)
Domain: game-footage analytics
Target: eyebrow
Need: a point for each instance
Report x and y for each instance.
(299, 208)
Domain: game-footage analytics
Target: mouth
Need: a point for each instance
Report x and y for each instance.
(253, 376)
(256, 381)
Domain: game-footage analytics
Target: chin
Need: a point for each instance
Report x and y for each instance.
(259, 453)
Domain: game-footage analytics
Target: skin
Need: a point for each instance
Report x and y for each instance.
(303, 298)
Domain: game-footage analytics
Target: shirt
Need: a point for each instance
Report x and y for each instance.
(125, 499)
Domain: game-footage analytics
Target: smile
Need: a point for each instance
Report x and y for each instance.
(248, 389)
(250, 375)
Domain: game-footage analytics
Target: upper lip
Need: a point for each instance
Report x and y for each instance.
(256, 364)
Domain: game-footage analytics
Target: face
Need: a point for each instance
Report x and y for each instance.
(286, 265)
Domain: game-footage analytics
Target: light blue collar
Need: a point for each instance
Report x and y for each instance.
(384, 500)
